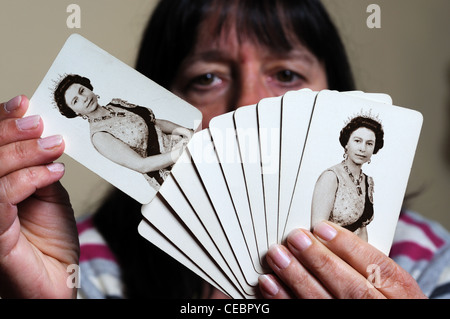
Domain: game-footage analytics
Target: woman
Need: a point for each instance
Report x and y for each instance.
(343, 193)
(217, 55)
(125, 133)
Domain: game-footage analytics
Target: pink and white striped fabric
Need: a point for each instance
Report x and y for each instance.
(422, 248)
(100, 276)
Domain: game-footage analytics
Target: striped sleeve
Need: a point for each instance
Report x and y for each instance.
(99, 271)
(422, 248)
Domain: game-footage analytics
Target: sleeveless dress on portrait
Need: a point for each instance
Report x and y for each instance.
(351, 210)
(135, 126)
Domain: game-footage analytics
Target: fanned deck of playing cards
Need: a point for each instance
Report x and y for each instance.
(245, 182)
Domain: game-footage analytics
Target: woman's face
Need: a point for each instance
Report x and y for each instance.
(80, 99)
(223, 73)
(360, 145)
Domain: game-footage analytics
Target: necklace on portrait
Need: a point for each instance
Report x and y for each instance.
(356, 181)
(112, 114)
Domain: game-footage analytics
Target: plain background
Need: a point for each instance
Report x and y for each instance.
(408, 58)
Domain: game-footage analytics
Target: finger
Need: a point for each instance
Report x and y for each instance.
(388, 277)
(271, 288)
(19, 185)
(55, 193)
(13, 130)
(338, 277)
(50, 205)
(28, 153)
(16, 187)
(16, 107)
(294, 275)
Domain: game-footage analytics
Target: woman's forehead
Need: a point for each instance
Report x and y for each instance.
(73, 88)
(363, 132)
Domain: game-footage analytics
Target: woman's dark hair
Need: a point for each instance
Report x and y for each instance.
(170, 36)
(172, 33)
(61, 89)
(367, 122)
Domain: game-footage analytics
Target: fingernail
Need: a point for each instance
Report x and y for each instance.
(268, 285)
(28, 123)
(325, 231)
(50, 142)
(299, 240)
(279, 257)
(56, 167)
(12, 104)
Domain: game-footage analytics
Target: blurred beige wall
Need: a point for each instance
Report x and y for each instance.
(408, 58)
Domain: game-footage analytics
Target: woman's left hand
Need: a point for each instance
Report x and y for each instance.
(332, 262)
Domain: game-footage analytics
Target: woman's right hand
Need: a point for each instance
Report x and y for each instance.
(38, 236)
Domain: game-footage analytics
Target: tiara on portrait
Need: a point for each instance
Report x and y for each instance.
(53, 86)
(364, 114)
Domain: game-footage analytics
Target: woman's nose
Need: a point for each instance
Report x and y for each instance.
(252, 89)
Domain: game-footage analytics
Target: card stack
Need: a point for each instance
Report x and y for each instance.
(245, 182)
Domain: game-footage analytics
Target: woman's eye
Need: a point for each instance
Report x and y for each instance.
(287, 76)
(206, 79)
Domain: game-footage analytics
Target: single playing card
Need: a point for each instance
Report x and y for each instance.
(114, 120)
(246, 124)
(389, 168)
(296, 114)
(269, 121)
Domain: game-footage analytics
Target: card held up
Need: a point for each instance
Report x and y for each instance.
(115, 121)
(366, 148)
